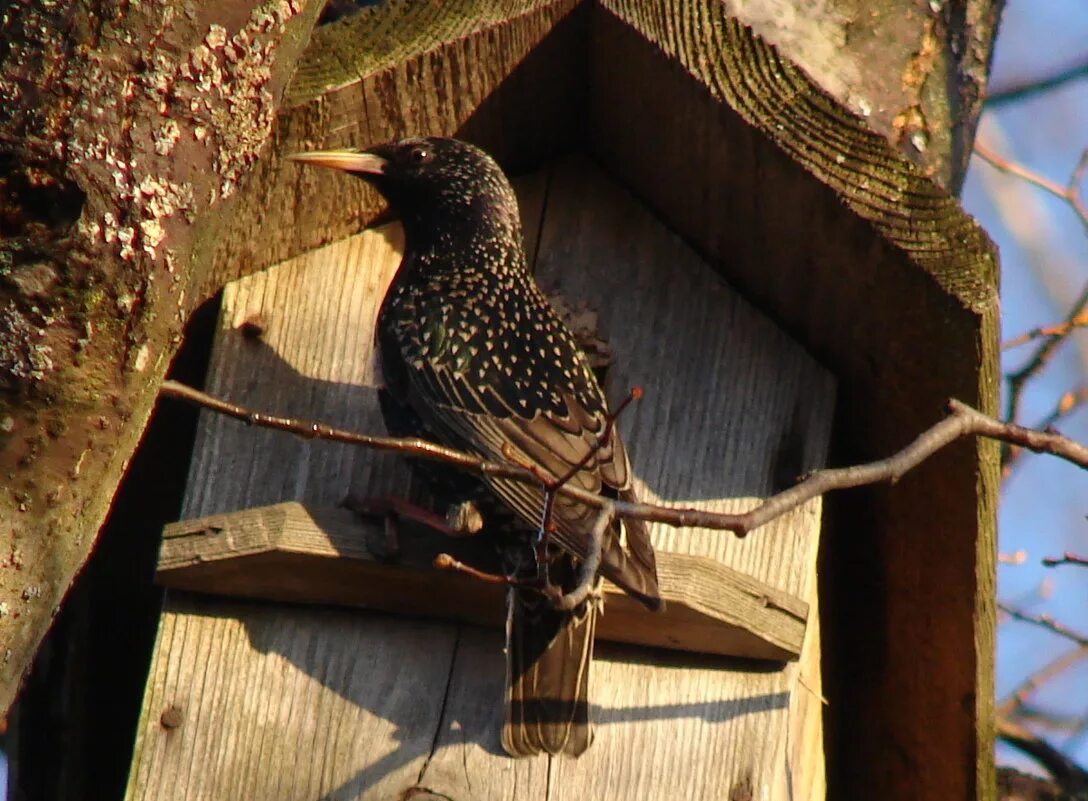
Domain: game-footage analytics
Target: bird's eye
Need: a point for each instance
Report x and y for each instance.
(419, 155)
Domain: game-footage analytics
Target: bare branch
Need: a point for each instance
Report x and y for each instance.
(585, 578)
(552, 486)
(1015, 700)
(1053, 336)
(1068, 774)
(1066, 559)
(1061, 329)
(1065, 722)
(1046, 622)
(446, 562)
(1020, 90)
(1068, 403)
(587, 570)
(1070, 193)
(1034, 365)
(1014, 558)
(962, 420)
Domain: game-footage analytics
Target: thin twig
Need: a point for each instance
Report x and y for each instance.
(551, 485)
(1068, 774)
(586, 577)
(962, 420)
(1066, 723)
(1018, 91)
(1014, 558)
(1076, 736)
(1066, 559)
(605, 435)
(1046, 622)
(446, 562)
(1068, 403)
(1034, 365)
(1070, 193)
(1019, 696)
(1061, 329)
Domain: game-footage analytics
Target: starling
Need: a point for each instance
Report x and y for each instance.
(474, 357)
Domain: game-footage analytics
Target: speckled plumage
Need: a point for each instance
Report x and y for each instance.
(474, 357)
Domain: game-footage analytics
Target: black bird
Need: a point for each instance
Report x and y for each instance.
(474, 357)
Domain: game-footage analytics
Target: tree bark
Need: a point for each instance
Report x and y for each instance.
(916, 70)
(125, 132)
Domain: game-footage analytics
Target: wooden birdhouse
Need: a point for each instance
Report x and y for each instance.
(789, 290)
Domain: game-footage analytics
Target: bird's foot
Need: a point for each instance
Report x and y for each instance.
(391, 509)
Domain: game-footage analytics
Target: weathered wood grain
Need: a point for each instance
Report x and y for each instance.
(754, 164)
(117, 153)
(263, 701)
(732, 407)
(507, 75)
(898, 64)
(313, 357)
(731, 411)
(292, 553)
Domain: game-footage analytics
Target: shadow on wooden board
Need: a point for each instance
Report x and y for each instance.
(393, 702)
(829, 234)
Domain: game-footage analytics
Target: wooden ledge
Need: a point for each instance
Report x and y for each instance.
(295, 553)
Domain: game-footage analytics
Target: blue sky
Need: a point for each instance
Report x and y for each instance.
(1044, 253)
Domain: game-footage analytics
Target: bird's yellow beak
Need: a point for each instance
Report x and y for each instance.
(346, 160)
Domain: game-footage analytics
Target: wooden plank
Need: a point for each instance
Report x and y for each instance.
(883, 276)
(732, 409)
(288, 552)
(507, 75)
(303, 363)
(263, 701)
(717, 427)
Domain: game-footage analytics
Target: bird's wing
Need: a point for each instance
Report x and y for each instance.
(485, 421)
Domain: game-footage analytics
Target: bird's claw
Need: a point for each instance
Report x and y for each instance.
(391, 510)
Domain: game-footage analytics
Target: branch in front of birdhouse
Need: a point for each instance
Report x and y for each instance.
(552, 486)
(1070, 776)
(587, 571)
(585, 578)
(962, 421)
(1065, 559)
(446, 562)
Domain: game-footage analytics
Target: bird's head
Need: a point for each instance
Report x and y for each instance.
(436, 185)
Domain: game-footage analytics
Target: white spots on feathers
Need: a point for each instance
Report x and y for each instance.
(475, 317)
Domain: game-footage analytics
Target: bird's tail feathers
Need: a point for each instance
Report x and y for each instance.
(549, 653)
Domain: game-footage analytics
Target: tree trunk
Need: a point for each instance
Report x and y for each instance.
(916, 70)
(124, 133)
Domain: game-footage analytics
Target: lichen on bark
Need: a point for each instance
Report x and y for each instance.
(122, 129)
